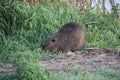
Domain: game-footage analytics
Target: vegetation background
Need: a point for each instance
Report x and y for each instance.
(23, 28)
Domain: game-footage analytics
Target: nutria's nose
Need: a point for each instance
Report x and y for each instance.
(47, 48)
(43, 47)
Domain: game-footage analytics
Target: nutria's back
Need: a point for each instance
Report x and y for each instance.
(70, 36)
(69, 28)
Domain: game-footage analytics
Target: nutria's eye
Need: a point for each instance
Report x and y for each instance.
(53, 40)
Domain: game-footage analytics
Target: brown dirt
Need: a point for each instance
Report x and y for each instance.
(6, 69)
(88, 61)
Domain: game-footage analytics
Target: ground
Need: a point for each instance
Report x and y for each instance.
(89, 61)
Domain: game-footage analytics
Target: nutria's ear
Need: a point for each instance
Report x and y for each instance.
(49, 36)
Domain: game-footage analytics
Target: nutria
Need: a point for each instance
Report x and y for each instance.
(69, 37)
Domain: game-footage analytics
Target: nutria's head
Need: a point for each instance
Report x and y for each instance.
(50, 43)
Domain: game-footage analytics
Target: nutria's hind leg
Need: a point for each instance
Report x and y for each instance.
(74, 50)
(65, 49)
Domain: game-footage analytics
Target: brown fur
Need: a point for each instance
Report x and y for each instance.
(69, 38)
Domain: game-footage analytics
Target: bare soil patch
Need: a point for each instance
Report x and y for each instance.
(6, 69)
(89, 61)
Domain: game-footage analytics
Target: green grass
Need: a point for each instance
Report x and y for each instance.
(23, 29)
(79, 74)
